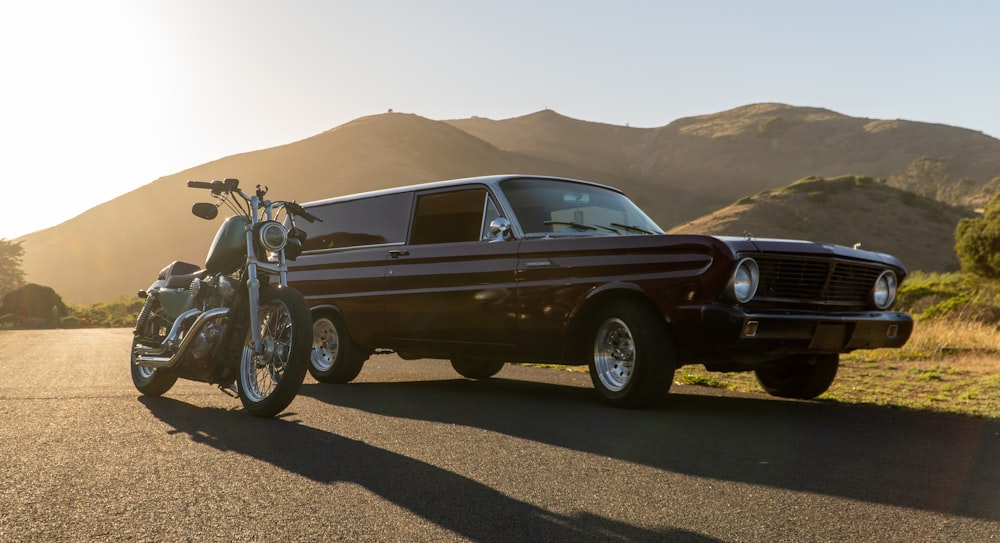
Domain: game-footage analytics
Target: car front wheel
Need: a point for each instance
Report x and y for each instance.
(633, 359)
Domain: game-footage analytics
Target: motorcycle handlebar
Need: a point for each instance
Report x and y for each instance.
(217, 187)
(296, 209)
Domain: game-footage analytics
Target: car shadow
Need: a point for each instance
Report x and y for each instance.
(471, 509)
(933, 462)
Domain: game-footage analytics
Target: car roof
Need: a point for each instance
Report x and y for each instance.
(490, 180)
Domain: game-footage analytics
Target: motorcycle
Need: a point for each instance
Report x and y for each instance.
(234, 323)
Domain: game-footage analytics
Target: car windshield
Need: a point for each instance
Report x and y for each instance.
(547, 206)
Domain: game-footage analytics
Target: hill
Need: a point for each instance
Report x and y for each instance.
(679, 172)
(845, 211)
(721, 157)
(118, 247)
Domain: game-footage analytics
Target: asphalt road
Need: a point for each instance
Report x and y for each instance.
(411, 452)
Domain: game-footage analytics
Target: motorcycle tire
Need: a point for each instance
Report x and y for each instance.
(150, 381)
(267, 383)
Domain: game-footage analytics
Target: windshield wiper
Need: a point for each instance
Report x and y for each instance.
(632, 228)
(582, 226)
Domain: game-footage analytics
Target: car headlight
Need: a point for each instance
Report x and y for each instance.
(744, 282)
(884, 291)
(272, 236)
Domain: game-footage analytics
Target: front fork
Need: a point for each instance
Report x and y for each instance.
(253, 288)
(253, 283)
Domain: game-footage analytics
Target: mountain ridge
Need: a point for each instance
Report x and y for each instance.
(680, 172)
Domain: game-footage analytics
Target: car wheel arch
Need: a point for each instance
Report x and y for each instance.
(576, 345)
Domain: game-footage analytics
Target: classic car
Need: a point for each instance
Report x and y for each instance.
(520, 268)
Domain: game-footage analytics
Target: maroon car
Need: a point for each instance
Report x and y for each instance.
(517, 268)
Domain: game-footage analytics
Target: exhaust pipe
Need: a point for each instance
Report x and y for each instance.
(159, 357)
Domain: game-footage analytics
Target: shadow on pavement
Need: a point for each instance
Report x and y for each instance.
(927, 461)
(462, 505)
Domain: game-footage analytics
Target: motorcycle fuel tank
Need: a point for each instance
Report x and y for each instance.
(228, 250)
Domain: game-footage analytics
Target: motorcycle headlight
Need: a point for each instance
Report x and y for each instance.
(272, 236)
(743, 284)
(884, 291)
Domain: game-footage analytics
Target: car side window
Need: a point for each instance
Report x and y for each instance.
(355, 223)
(491, 212)
(450, 217)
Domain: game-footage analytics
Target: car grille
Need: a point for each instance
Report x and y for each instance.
(815, 281)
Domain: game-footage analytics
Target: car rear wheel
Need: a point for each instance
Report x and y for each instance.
(633, 357)
(476, 369)
(802, 377)
(335, 358)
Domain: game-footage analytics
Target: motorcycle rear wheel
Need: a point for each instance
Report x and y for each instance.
(150, 381)
(268, 382)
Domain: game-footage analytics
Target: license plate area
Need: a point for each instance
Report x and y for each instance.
(829, 337)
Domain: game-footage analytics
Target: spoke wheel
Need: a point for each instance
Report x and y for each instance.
(150, 381)
(269, 380)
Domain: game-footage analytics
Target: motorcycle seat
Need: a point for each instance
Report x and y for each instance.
(184, 280)
(179, 274)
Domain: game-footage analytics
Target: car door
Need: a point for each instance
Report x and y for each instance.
(451, 289)
(343, 264)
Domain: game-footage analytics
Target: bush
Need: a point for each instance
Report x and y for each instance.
(9, 321)
(37, 305)
(950, 296)
(69, 322)
(977, 242)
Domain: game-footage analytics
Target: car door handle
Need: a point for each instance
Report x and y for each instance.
(396, 253)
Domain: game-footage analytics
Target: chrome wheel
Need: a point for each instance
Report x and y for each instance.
(614, 354)
(261, 373)
(150, 381)
(144, 373)
(326, 345)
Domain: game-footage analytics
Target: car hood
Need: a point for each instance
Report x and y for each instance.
(808, 248)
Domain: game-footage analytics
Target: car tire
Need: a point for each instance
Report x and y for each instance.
(633, 357)
(802, 377)
(476, 369)
(335, 358)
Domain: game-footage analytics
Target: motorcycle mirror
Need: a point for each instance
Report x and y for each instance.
(205, 211)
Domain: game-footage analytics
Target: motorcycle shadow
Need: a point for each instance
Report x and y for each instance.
(469, 508)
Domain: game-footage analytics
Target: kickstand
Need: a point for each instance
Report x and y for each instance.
(230, 390)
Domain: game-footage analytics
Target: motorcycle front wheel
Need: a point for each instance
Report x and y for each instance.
(268, 381)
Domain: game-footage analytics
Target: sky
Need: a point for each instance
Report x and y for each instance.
(101, 97)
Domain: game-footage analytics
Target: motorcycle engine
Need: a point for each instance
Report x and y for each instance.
(203, 342)
(221, 291)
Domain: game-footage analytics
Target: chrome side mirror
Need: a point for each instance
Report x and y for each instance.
(500, 229)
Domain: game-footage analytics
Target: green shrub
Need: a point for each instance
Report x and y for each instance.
(977, 242)
(69, 322)
(9, 321)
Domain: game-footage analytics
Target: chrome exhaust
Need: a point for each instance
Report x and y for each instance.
(164, 356)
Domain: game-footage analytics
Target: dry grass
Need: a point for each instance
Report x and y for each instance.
(946, 366)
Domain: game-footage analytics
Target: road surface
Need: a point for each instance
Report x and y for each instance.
(412, 452)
